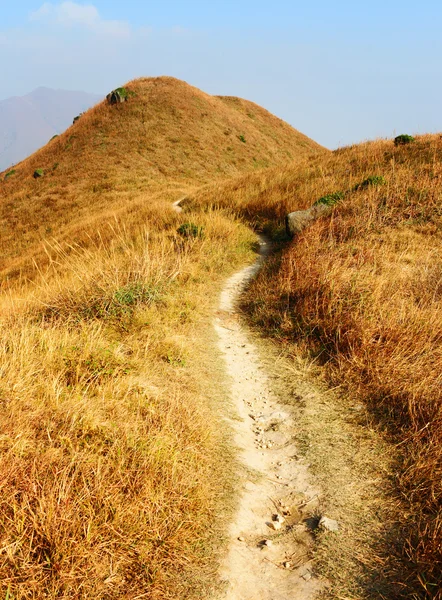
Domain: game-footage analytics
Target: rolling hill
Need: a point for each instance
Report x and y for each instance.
(168, 138)
(28, 122)
(115, 468)
(116, 463)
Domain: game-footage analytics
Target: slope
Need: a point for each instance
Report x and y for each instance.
(168, 138)
(117, 473)
(28, 122)
(360, 293)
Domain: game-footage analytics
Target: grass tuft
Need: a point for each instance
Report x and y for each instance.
(330, 199)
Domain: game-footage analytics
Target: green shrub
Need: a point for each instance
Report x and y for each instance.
(330, 199)
(122, 91)
(242, 139)
(134, 294)
(190, 230)
(77, 118)
(403, 139)
(53, 137)
(10, 173)
(38, 173)
(373, 180)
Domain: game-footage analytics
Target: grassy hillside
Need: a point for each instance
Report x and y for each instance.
(166, 140)
(115, 463)
(360, 291)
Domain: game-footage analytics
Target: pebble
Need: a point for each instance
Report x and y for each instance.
(241, 539)
(287, 565)
(275, 525)
(267, 543)
(327, 524)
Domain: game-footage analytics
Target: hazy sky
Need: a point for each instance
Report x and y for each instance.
(339, 71)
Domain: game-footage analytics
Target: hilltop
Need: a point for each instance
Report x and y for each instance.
(168, 138)
(28, 122)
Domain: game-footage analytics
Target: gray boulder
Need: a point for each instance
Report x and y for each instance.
(296, 221)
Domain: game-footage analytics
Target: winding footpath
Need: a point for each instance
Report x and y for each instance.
(269, 555)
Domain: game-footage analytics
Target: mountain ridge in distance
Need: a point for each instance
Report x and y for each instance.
(28, 122)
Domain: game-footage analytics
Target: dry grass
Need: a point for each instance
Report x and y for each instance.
(360, 291)
(115, 468)
(168, 139)
(111, 479)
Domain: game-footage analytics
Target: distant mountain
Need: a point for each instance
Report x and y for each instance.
(28, 122)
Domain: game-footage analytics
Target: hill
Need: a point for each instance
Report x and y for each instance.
(168, 138)
(116, 462)
(359, 292)
(29, 122)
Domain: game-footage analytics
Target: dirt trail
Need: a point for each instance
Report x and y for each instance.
(268, 556)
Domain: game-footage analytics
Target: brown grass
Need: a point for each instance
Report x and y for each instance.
(115, 467)
(111, 480)
(360, 291)
(168, 139)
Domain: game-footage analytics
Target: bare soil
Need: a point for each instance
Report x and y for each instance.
(269, 555)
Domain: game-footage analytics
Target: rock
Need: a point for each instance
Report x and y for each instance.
(274, 525)
(117, 96)
(287, 565)
(267, 544)
(296, 221)
(327, 524)
(278, 518)
(241, 539)
(38, 173)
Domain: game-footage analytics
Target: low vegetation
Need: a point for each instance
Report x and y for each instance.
(360, 293)
(168, 140)
(403, 139)
(110, 431)
(330, 199)
(114, 461)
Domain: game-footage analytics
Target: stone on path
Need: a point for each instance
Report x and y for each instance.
(327, 524)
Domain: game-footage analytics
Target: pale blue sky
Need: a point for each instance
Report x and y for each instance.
(340, 72)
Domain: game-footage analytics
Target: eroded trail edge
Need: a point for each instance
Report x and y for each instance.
(269, 552)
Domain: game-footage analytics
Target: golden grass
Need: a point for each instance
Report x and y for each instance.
(115, 467)
(360, 291)
(166, 140)
(111, 479)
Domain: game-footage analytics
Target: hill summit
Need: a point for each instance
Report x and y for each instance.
(166, 139)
